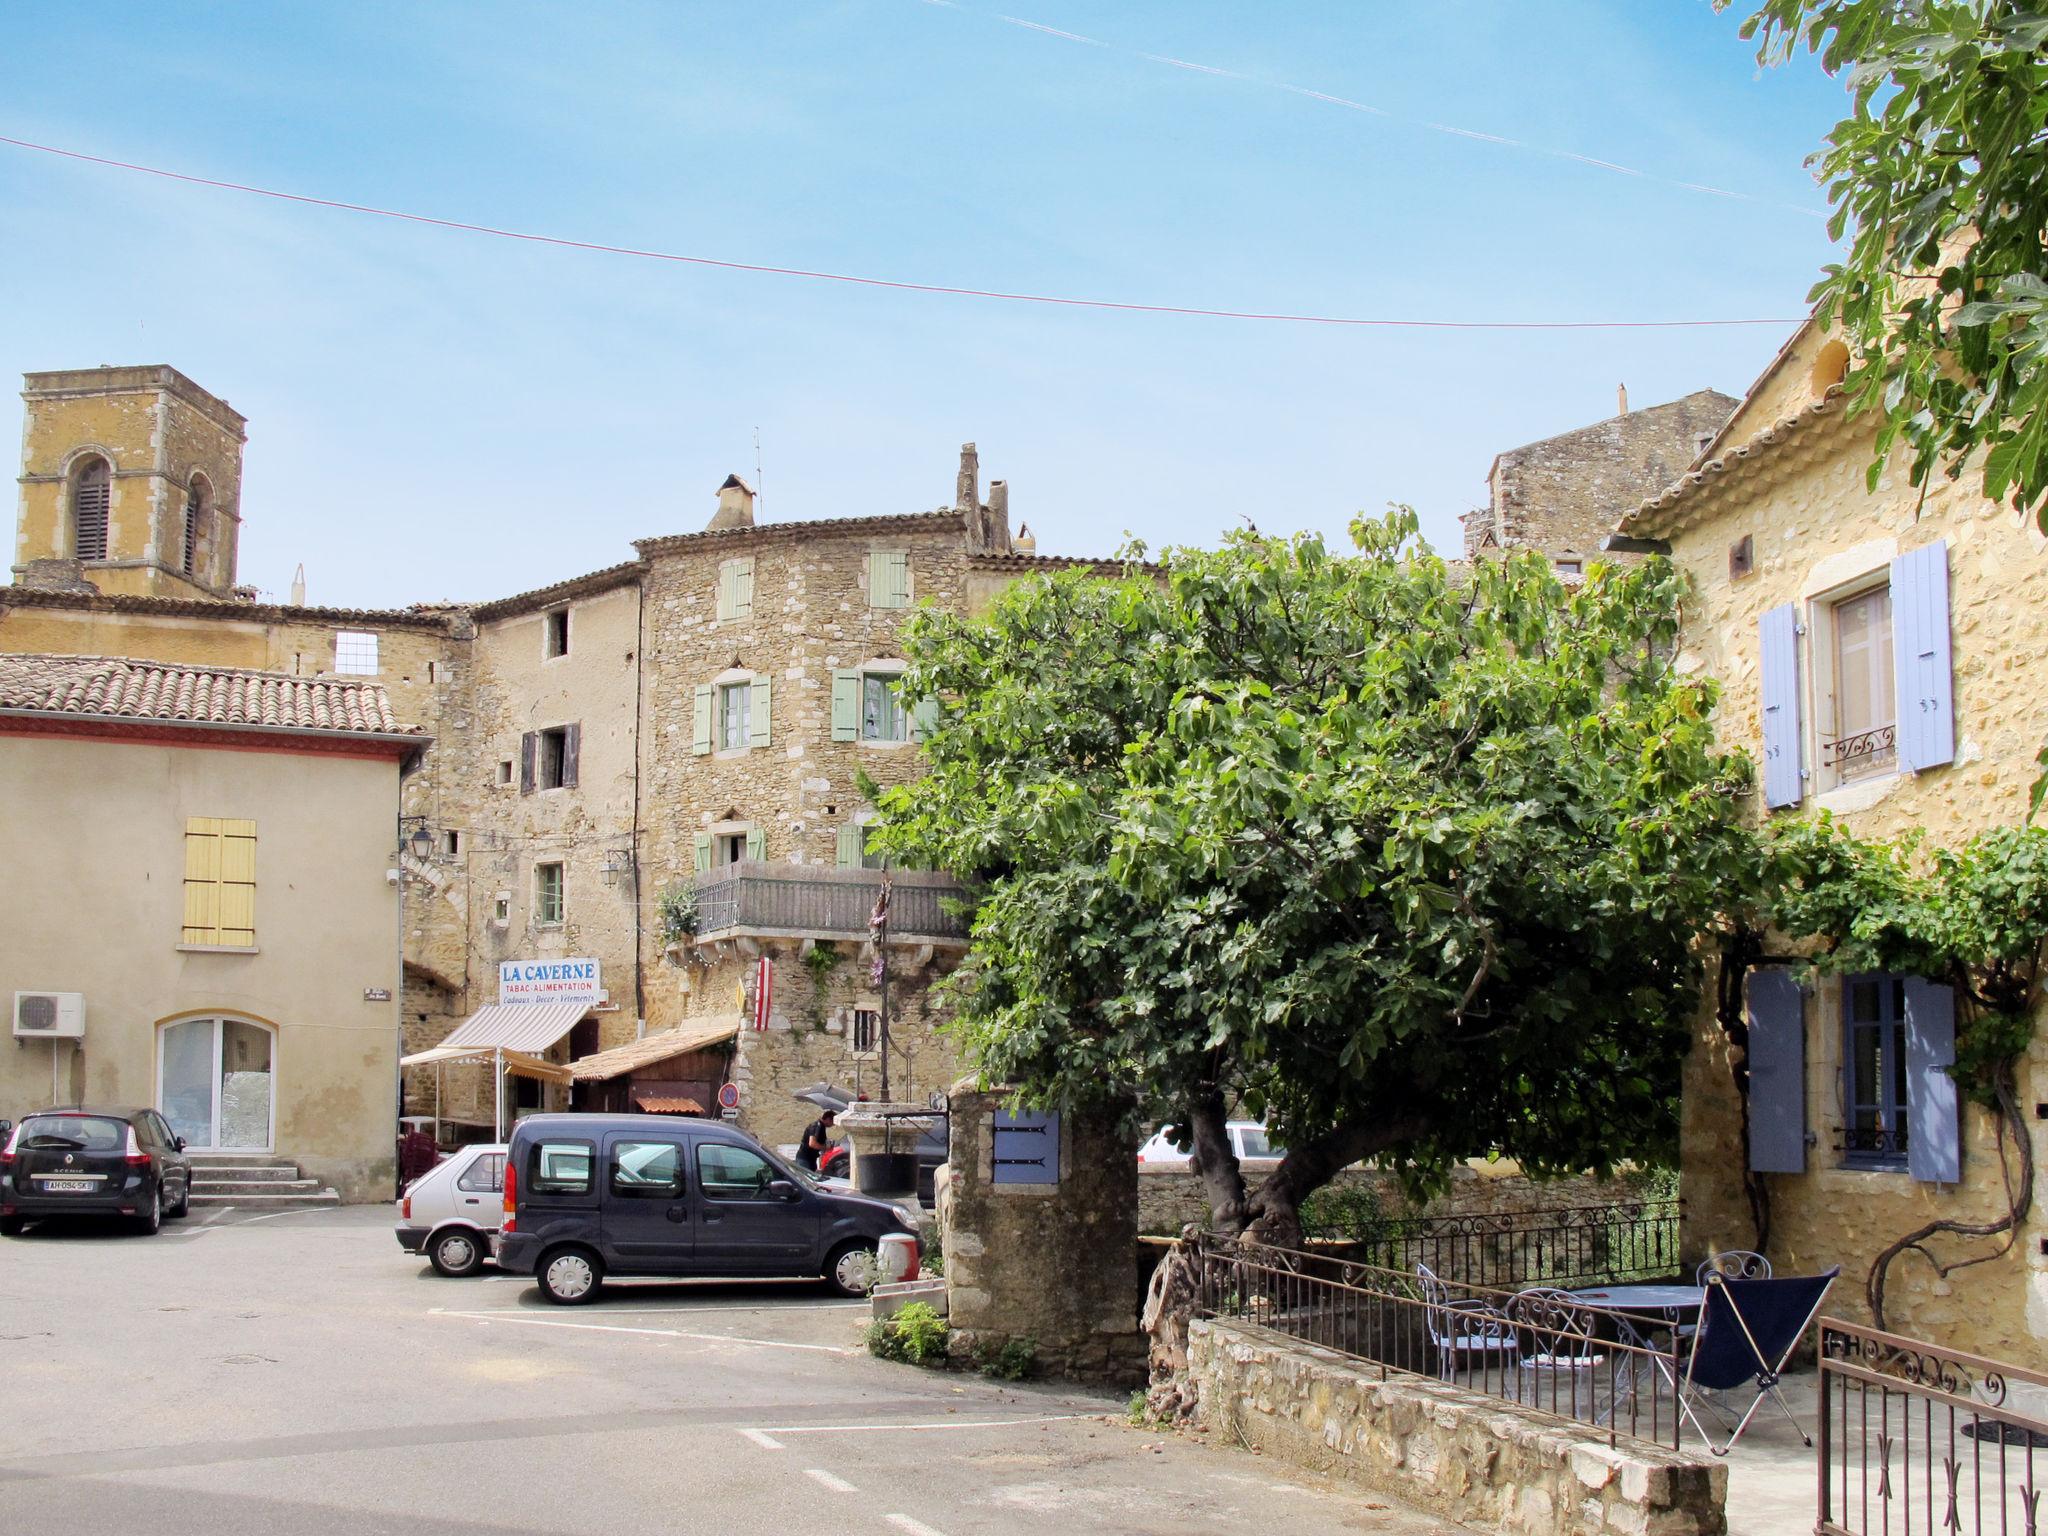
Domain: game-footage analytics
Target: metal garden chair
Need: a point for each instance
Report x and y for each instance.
(1466, 1329)
(1563, 1346)
(1747, 1331)
(1735, 1264)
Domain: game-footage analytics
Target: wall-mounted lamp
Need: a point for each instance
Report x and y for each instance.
(419, 842)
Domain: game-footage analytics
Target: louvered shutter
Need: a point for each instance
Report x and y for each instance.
(91, 505)
(889, 579)
(743, 590)
(758, 714)
(702, 851)
(1934, 1143)
(1777, 1073)
(846, 705)
(1778, 634)
(700, 734)
(757, 844)
(529, 755)
(1921, 663)
(849, 847)
(924, 719)
(572, 751)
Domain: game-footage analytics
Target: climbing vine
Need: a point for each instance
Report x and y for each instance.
(1975, 917)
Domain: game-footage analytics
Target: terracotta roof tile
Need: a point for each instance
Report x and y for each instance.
(114, 686)
(1648, 517)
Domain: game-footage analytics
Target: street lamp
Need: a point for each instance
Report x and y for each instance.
(420, 842)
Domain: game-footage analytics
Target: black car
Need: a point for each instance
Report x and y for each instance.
(86, 1161)
(588, 1196)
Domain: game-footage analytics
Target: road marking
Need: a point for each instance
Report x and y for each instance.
(781, 1306)
(834, 1429)
(914, 1527)
(216, 1224)
(486, 1319)
(766, 1442)
(836, 1484)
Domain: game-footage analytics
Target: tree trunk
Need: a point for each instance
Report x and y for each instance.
(1275, 1206)
(1215, 1162)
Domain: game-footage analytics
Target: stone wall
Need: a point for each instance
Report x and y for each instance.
(1476, 1460)
(1051, 1263)
(1800, 496)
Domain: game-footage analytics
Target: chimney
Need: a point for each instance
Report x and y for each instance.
(735, 506)
(1621, 399)
(299, 586)
(999, 514)
(1024, 543)
(967, 489)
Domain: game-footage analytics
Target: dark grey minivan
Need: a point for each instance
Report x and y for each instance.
(588, 1196)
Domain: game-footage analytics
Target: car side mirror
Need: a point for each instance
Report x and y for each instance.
(178, 1143)
(781, 1189)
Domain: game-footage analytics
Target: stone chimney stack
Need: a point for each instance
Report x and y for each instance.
(1026, 543)
(299, 586)
(999, 514)
(1621, 399)
(735, 505)
(967, 489)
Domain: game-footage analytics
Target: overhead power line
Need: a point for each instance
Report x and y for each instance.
(899, 284)
(1452, 129)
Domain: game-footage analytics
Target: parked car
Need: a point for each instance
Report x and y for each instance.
(594, 1196)
(85, 1161)
(1247, 1137)
(449, 1212)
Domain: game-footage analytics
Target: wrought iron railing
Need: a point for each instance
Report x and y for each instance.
(1917, 1439)
(1550, 1353)
(1577, 1245)
(1865, 749)
(787, 899)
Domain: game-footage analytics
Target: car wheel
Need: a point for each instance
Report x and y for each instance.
(851, 1269)
(457, 1252)
(184, 1205)
(570, 1277)
(153, 1222)
(10, 1226)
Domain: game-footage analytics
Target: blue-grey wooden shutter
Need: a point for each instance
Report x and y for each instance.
(1026, 1148)
(1778, 632)
(1921, 665)
(1777, 1073)
(1934, 1142)
(761, 712)
(846, 704)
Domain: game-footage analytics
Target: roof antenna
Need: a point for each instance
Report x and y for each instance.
(760, 502)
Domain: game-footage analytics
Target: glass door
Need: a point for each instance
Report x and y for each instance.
(214, 1084)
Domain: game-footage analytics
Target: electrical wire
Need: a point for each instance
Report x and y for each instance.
(897, 284)
(1451, 129)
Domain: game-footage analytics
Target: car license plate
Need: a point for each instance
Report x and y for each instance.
(68, 1186)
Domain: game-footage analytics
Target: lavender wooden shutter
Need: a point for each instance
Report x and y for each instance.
(1934, 1142)
(1921, 663)
(1777, 1073)
(1778, 632)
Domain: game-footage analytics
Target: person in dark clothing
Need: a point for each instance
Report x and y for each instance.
(817, 1137)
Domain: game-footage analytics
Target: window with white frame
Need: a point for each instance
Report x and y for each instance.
(548, 904)
(729, 848)
(735, 716)
(1858, 697)
(881, 708)
(355, 652)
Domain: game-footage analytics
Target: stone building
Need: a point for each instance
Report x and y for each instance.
(1564, 495)
(200, 889)
(695, 720)
(1875, 653)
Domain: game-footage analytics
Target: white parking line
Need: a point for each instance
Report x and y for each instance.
(766, 1442)
(914, 1527)
(835, 1429)
(836, 1484)
(488, 1318)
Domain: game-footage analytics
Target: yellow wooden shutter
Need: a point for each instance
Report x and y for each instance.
(202, 880)
(220, 881)
(237, 882)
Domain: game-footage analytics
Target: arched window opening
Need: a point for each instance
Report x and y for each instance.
(1830, 367)
(198, 516)
(92, 496)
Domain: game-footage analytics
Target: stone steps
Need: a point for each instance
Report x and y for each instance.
(243, 1197)
(244, 1178)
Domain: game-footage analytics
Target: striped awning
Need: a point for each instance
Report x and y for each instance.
(529, 1027)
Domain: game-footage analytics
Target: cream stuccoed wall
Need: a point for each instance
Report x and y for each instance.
(95, 831)
(1815, 526)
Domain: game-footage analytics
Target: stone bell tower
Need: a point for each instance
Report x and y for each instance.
(131, 482)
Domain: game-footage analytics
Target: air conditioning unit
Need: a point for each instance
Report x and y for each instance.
(49, 1015)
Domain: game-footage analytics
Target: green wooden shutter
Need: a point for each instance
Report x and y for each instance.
(846, 705)
(924, 718)
(700, 740)
(888, 579)
(703, 851)
(757, 844)
(849, 847)
(757, 716)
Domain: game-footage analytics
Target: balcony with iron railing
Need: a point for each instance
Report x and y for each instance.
(796, 901)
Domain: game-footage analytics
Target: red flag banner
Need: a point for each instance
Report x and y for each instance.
(764, 987)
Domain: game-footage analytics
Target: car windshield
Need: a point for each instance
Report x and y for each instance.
(1253, 1142)
(73, 1133)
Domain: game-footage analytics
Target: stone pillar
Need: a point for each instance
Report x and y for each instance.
(1040, 1227)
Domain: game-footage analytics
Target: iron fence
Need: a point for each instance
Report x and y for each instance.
(754, 899)
(1584, 1245)
(1541, 1348)
(1914, 1438)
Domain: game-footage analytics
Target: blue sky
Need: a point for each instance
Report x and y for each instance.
(439, 415)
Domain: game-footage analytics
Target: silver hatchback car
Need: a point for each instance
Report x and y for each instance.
(449, 1212)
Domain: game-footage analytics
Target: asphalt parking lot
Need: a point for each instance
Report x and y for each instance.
(287, 1374)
